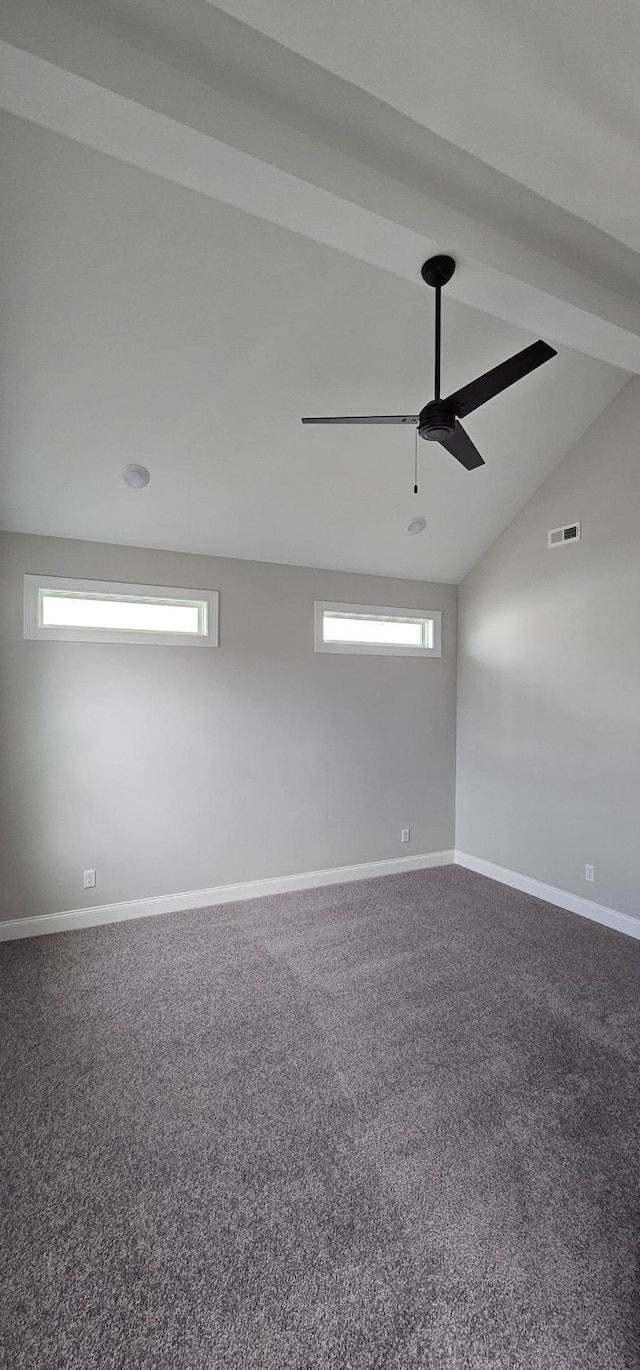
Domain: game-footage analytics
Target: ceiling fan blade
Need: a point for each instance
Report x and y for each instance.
(369, 418)
(461, 447)
(477, 392)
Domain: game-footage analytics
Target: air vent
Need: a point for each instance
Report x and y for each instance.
(556, 537)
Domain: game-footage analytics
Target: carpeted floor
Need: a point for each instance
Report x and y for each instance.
(388, 1124)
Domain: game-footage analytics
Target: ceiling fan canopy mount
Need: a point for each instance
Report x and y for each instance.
(437, 271)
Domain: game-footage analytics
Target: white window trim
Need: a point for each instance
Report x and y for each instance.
(376, 649)
(34, 628)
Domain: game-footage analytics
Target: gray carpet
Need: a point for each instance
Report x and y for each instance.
(387, 1124)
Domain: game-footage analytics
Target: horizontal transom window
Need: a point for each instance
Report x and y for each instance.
(376, 630)
(99, 611)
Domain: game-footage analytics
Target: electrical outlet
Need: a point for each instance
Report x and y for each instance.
(406, 834)
(590, 874)
(89, 880)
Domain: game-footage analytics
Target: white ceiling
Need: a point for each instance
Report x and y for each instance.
(546, 92)
(144, 320)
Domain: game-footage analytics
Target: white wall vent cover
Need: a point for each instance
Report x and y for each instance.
(556, 537)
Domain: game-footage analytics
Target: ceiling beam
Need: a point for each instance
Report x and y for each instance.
(243, 158)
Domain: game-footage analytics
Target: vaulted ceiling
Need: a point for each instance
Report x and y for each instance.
(213, 221)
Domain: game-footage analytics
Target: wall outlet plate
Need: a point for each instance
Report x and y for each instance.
(406, 835)
(590, 874)
(89, 882)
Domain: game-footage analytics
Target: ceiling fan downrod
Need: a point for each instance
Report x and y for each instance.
(436, 424)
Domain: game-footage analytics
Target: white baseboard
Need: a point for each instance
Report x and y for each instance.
(281, 884)
(220, 894)
(599, 913)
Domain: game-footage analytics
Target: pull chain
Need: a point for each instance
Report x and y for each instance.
(415, 465)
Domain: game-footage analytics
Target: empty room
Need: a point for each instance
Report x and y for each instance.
(319, 685)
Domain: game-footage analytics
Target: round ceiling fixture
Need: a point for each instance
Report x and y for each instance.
(416, 526)
(136, 477)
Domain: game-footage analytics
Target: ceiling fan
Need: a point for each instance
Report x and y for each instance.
(438, 421)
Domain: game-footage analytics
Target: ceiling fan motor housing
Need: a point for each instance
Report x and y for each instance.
(436, 422)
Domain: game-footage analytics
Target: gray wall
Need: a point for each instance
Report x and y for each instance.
(548, 774)
(171, 769)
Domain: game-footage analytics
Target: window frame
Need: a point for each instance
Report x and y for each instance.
(35, 629)
(388, 611)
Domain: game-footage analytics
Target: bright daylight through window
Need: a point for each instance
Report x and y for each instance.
(353, 628)
(74, 611)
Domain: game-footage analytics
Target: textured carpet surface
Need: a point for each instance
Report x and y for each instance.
(386, 1124)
